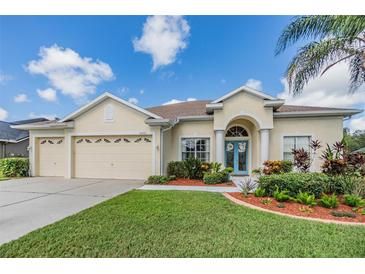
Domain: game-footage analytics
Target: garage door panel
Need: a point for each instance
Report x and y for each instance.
(118, 157)
(51, 157)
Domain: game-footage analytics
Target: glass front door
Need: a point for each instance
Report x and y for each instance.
(237, 156)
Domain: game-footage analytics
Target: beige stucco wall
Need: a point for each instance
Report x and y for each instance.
(172, 149)
(325, 129)
(246, 106)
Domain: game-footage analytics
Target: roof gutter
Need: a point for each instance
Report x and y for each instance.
(56, 125)
(345, 113)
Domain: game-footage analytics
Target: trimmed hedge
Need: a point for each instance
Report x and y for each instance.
(157, 180)
(176, 168)
(312, 183)
(14, 167)
(214, 178)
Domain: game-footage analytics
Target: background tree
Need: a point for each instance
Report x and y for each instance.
(333, 39)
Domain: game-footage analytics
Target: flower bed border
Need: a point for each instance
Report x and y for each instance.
(177, 182)
(240, 202)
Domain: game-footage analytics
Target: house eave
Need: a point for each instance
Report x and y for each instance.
(344, 113)
(159, 122)
(56, 125)
(211, 107)
(246, 89)
(274, 103)
(196, 118)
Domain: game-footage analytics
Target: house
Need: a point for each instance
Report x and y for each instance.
(14, 142)
(112, 138)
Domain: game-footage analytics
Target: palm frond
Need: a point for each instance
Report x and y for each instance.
(357, 72)
(314, 57)
(317, 27)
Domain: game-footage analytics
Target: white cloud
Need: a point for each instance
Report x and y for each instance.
(48, 94)
(255, 84)
(21, 98)
(133, 100)
(329, 90)
(47, 116)
(141, 91)
(163, 37)
(70, 73)
(357, 123)
(123, 90)
(176, 101)
(3, 114)
(4, 77)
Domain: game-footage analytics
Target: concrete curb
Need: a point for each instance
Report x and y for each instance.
(239, 202)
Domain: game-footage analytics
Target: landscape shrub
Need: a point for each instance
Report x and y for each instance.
(157, 180)
(313, 183)
(353, 200)
(329, 201)
(193, 168)
(303, 159)
(281, 195)
(14, 167)
(346, 184)
(306, 199)
(176, 168)
(259, 192)
(277, 166)
(247, 186)
(214, 178)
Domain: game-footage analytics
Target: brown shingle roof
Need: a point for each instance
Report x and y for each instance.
(173, 111)
(198, 108)
(293, 108)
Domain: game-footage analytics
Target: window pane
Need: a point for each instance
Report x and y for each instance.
(288, 156)
(289, 144)
(196, 148)
(302, 142)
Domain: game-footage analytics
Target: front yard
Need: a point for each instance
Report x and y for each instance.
(185, 224)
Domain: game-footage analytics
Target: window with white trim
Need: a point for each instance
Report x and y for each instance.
(295, 142)
(198, 148)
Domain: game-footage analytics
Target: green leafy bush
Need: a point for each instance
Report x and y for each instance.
(193, 168)
(287, 166)
(313, 183)
(266, 201)
(329, 201)
(259, 192)
(176, 168)
(345, 184)
(215, 167)
(353, 200)
(214, 178)
(280, 205)
(306, 199)
(157, 180)
(343, 214)
(14, 167)
(281, 195)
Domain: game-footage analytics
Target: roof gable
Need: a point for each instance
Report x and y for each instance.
(247, 89)
(100, 99)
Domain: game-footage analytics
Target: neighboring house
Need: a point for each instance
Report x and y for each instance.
(14, 142)
(112, 138)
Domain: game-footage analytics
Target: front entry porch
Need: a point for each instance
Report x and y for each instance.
(236, 156)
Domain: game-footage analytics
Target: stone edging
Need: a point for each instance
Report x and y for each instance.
(239, 202)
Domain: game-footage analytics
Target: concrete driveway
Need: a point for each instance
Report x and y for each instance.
(31, 203)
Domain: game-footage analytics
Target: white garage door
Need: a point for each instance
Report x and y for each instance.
(115, 157)
(51, 157)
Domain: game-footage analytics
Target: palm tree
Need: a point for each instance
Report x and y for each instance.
(333, 39)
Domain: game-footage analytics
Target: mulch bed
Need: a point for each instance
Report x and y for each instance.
(293, 208)
(190, 182)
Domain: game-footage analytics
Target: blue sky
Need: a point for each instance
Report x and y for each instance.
(146, 60)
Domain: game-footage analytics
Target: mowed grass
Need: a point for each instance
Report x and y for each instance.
(185, 224)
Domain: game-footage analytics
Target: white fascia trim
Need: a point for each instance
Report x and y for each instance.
(100, 99)
(14, 141)
(247, 89)
(212, 107)
(196, 118)
(274, 103)
(348, 112)
(158, 122)
(56, 125)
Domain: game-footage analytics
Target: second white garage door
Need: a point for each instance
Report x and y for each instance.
(115, 157)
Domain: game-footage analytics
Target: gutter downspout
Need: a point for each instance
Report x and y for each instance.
(162, 131)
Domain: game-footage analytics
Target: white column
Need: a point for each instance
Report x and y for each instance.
(264, 148)
(219, 146)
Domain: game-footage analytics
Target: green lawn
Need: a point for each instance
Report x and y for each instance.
(185, 224)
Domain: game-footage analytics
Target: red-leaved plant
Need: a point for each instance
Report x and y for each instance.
(303, 159)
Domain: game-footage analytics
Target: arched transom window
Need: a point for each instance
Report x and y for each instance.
(236, 131)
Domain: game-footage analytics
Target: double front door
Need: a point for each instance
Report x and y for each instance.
(236, 156)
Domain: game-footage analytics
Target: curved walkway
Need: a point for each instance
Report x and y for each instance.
(239, 202)
(193, 188)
